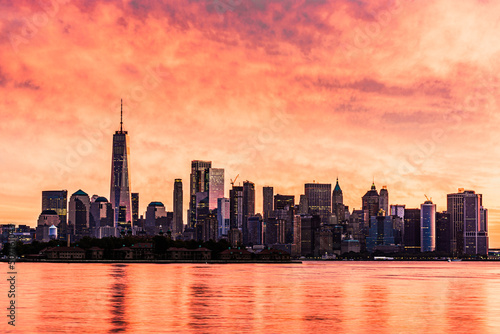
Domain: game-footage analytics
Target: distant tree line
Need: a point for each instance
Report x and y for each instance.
(160, 245)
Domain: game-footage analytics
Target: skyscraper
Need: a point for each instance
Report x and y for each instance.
(198, 181)
(281, 202)
(371, 202)
(56, 200)
(135, 208)
(223, 216)
(215, 186)
(267, 207)
(319, 200)
(384, 200)
(156, 216)
(236, 207)
(464, 208)
(248, 206)
(79, 211)
(412, 231)
(101, 216)
(178, 204)
(398, 210)
(120, 197)
(303, 205)
(338, 208)
(428, 227)
(443, 232)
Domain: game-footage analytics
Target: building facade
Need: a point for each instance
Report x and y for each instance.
(319, 200)
(120, 196)
(428, 227)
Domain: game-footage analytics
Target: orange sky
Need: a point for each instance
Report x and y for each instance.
(280, 92)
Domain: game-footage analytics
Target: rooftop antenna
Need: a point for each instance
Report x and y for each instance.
(121, 115)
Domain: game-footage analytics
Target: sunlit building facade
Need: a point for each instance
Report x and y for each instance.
(428, 227)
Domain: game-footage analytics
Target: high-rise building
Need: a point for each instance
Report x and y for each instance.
(309, 227)
(267, 207)
(381, 233)
(319, 200)
(101, 216)
(202, 213)
(428, 227)
(464, 208)
(384, 200)
(248, 206)
(178, 207)
(236, 208)
(215, 186)
(101, 212)
(254, 224)
(303, 205)
(411, 238)
(398, 210)
(338, 208)
(135, 208)
(156, 216)
(120, 197)
(444, 230)
(223, 216)
(198, 183)
(56, 200)
(79, 211)
(281, 202)
(371, 202)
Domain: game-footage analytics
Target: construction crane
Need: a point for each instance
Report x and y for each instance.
(232, 182)
(429, 199)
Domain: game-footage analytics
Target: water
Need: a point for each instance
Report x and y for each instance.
(313, 297)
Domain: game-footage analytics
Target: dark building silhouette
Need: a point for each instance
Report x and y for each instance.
(281, 202)
(236, 208)
(309, 225)
(79, 212)
(371, 202)
(254, 225)
(248, 206)
(178, 225)
(135, 208)
(444, 230)
(267, 207)
(412, 231)
(319, 200)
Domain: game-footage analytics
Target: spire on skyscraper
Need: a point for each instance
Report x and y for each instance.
(121, 115)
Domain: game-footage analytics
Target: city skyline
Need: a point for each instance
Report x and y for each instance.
(276, 117)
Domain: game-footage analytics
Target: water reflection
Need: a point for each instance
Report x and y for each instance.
(465, 307)
(310, 298)
(119, 290)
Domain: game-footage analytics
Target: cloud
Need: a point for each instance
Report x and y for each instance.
(260, 88)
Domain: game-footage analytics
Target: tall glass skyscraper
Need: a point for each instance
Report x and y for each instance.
(428, 227)
(197, 184)
(120, 197)
(215, 186)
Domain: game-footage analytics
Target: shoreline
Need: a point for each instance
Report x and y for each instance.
(301, 261)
